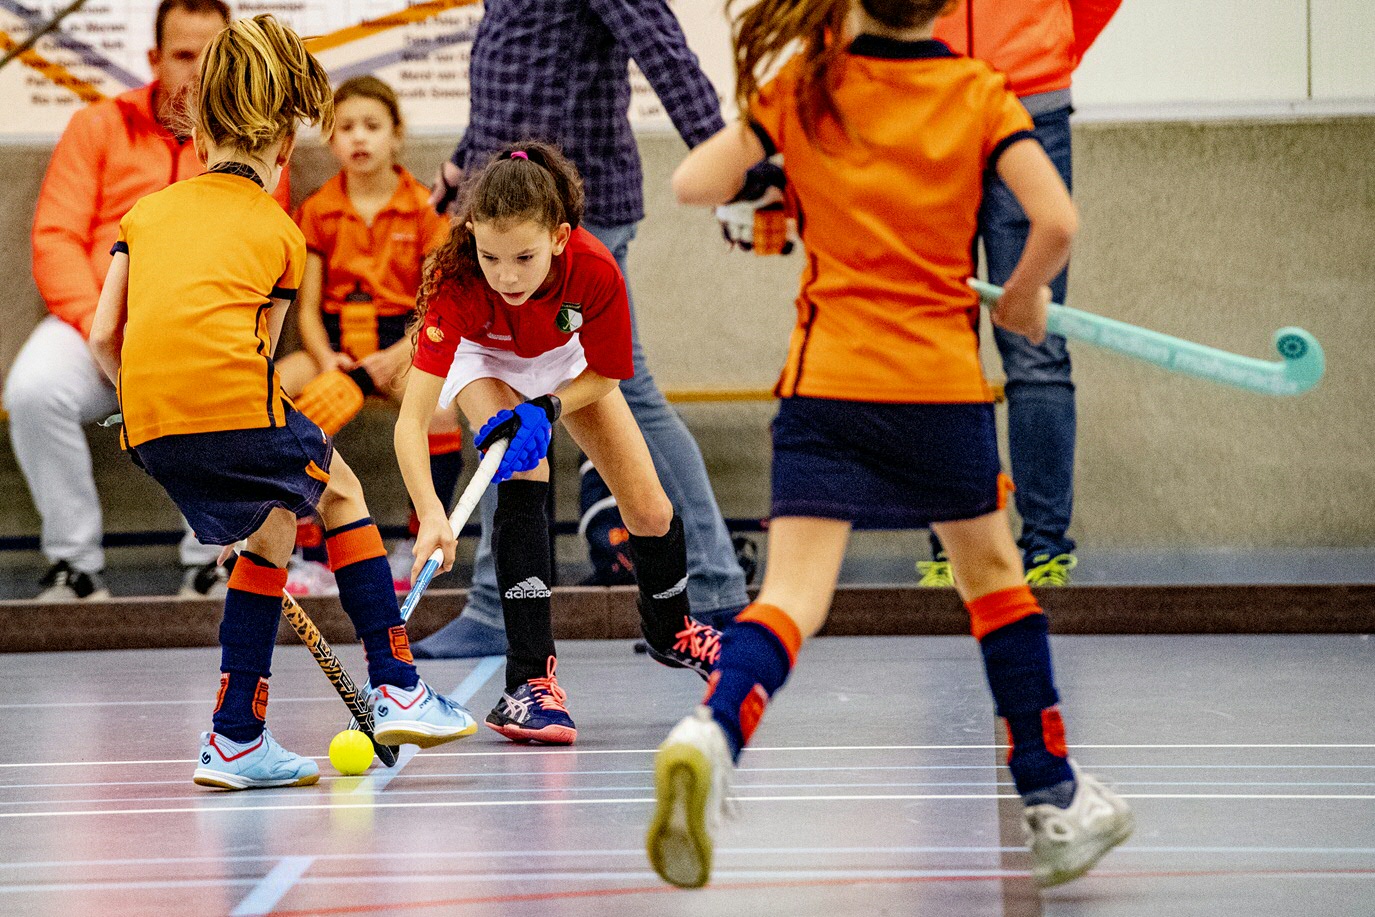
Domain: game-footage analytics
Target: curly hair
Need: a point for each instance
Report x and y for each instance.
(541, 186)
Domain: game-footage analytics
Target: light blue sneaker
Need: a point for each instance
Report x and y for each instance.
(251, 765)
(420, 716)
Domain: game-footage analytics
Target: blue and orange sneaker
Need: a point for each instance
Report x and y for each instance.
(420, 716)
(251, 765)
(697, 647)
(535, 712)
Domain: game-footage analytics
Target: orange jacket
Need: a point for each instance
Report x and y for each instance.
(111, 154)
(1036, 43)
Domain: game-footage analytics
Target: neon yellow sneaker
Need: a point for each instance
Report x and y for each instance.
(935, 573)
(1044, 570)
(692, 772)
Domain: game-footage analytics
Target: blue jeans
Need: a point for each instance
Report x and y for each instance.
(1040, 393)
(715, 580)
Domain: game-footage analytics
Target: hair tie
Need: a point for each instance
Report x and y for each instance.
(520, 154)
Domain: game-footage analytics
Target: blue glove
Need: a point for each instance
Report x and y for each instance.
(528, 428)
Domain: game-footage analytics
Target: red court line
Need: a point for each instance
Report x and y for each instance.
(808, 883)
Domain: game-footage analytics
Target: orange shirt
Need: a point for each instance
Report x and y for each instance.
(884, 313)
(1037, 43)
(383, 260)
(111, 154)
(206, 256)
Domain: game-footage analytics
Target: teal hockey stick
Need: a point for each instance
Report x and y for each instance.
(1300, 370)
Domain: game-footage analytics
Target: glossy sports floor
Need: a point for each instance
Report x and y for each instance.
(873, 788)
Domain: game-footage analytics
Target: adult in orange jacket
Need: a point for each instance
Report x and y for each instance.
(1037, 44)
(111, 154)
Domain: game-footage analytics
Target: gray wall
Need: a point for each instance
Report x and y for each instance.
(1215, 232)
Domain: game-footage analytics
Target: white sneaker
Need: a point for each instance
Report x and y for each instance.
(63, 583)
(1066, 843)
(691, 781)
(207, 581)
(310, 577)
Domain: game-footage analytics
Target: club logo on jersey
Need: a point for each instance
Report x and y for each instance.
(434, 334)
(569, 318)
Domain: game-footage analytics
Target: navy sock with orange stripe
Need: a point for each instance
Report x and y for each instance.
(757, 654)
(359, 561)
(248, 633)
(1017, 662)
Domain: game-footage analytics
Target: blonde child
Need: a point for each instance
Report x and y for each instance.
(525, 320)
(188, 319)
(368, 230)
(885, 418)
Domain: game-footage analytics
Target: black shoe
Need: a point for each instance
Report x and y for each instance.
(63, 584)
(697, 647)
(208, 581)
(747, 555)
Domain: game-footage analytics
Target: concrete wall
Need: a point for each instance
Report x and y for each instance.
(1216, 232)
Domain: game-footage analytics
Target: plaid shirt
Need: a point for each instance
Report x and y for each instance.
(556, 70)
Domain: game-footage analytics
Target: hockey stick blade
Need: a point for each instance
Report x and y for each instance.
(1300, 369)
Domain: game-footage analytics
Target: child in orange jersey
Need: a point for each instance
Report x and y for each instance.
(367, 232)
(189, 316)
(885, 420)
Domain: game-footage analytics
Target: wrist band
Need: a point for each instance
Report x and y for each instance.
(550, 405)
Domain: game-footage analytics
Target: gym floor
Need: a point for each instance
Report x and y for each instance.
(873, 787)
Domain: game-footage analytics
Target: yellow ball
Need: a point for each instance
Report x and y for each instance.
(350, 752)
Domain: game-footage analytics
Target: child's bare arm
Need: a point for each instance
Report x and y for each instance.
(411, 439)
(1028, 172)
(314, 338)
(714, 171)
(107, 329)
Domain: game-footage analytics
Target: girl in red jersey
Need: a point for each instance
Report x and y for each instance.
(885, 419)
(525, 320)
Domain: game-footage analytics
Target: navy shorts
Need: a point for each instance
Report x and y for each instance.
(390, 329)
(885, 466)
(226, 482)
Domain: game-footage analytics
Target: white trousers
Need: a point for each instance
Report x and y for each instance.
(53, 390)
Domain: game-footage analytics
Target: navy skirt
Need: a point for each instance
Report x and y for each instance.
(226, 482)
(885, 466)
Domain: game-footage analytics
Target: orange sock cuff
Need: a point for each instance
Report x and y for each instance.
(353, 545)
(445, 443)
(776, 621)
(998, 609)
(249, 576)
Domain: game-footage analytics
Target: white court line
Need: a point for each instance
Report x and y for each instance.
(200, 810)
(583, 752)
(642, 875)
(200, 702)
(270, 889)
(639, 852)
(507, 775)
(647, 788)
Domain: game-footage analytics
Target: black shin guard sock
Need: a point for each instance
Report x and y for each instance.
(661, 571)
(520, 543)
(445, 469)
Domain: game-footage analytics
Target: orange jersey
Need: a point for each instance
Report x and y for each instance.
(884, 313)
(382, 261)
(206, 256)
(1037, 43)
(111, 154)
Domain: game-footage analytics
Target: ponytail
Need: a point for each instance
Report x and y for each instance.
(768, 29)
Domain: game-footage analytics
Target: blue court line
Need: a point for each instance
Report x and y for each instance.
(273, 886)
(265, 895)
(484, 670)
